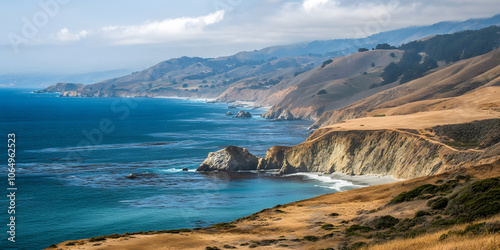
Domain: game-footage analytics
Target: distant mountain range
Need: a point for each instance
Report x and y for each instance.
(263, 76)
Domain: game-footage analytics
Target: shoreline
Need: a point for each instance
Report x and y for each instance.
(316, 223)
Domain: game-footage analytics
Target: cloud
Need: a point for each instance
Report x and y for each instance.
(309, 5)
(64, 35)
(161, 31)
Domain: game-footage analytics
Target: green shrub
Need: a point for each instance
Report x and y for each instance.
(356, 227)
(385, 222)
(421, 213)
(439, 203)
(311, 238)
(327, 227)
(477, 200)
(98, 238)
(326, 63)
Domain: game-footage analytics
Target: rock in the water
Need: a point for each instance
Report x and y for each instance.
(229, 113)
(131, 176)
(231, 158)
(185, 169)
(243, 114)
(231, 107)
(286, 116)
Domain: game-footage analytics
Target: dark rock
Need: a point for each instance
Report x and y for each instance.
(185, 169)
(131, 176)
(231, 158)
(231, 107)
(229, 113)
(243, 114)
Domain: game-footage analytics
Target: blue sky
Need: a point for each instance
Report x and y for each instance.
(70, 36)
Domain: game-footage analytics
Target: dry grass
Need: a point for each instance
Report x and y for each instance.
(431, 241)
(455, 242)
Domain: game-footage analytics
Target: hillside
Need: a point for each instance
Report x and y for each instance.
(444, 211)
(336, 83)
(439, 90)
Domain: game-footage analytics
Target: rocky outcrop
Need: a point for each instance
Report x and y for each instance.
(401, 154)
(243, 114)
(231, 158)
(396, 152)
(286, 116)
(229, 113)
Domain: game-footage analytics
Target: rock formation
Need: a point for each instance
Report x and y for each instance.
(400, 153)
(286, 116)
(243, 114)
(231, 158)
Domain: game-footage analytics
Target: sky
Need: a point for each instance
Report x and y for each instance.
(73, 37)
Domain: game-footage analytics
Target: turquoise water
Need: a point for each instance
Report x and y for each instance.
(73, 156)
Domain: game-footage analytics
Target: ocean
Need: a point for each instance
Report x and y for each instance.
(73, 156)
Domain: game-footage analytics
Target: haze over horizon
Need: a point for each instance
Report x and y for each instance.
(70, 37)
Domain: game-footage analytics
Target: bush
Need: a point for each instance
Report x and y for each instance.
(477, 200)
(363, 49)
(385, 222)
(327, 227)
(311, 238)
(99, 238)
(326, 63)
(421, 213)
(410, 195)
(438, 204)
(358, 228)
(322, 92)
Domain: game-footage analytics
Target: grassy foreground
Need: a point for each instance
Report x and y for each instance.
(453, 210)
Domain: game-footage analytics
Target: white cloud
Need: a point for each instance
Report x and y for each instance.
(161, 31)
(309, 5)
(64, 35)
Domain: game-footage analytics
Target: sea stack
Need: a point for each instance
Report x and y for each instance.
(243, 114)
(231, 158)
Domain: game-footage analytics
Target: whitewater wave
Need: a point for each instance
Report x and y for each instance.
(329, 182)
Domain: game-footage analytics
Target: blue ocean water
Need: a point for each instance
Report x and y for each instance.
(73, 156)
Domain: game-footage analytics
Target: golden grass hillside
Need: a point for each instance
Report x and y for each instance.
(368, 217)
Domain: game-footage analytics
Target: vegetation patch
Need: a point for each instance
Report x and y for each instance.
(474, 229)
(326, 63)
(385, 222)
(311, 238)
(439, 203)
(98, 238)
(421, 213)
(477, 200)
(327, 227)
(358, 228)
(223, 225)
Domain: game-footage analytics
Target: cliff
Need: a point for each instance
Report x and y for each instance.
(402, 153)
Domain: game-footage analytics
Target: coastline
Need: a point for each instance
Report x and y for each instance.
(316, 223)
